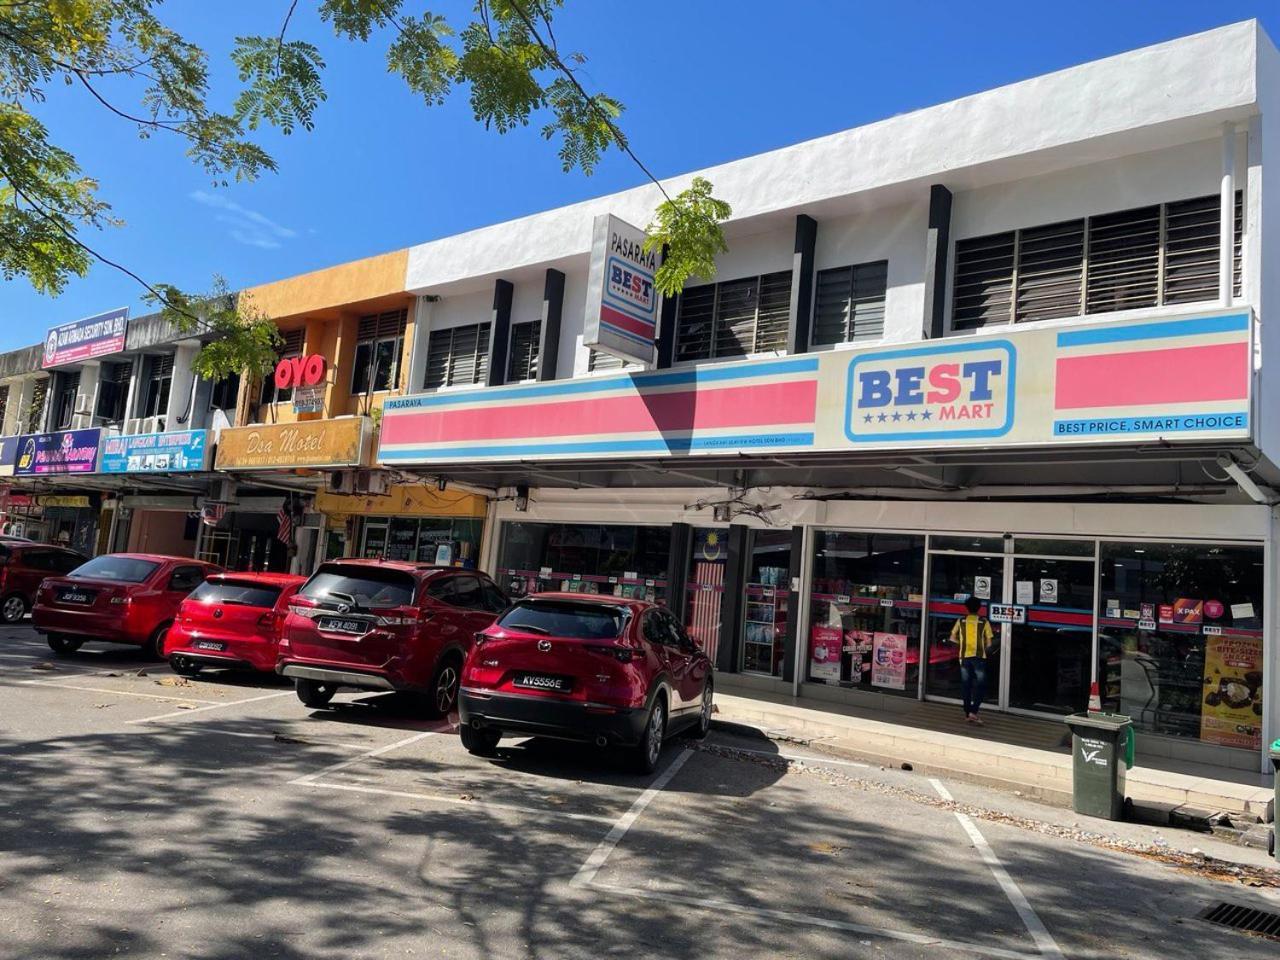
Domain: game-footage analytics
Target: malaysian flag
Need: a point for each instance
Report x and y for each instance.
(284, 533)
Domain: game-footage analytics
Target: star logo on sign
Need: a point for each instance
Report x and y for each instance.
(926, 415)
(882, 418)
(896, 416)
(911, 415)
(867, 418)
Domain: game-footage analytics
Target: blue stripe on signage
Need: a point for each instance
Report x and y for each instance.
(655, 445)
(1229, 323)
(641, 381)
(1155, 423)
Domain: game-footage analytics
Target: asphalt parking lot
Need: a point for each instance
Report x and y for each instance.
(145, 815)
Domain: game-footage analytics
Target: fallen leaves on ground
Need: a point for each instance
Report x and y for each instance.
(43, 665)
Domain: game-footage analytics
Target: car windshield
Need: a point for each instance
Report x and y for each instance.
(367, 586)
(565, 618)
(236, 592)
(111, 567)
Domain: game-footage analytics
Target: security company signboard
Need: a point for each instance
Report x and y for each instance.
(1085, 383)
(86, 339)
(622, 302)
(314, 443)
(177, 452)
(8, 455)
(66, 451)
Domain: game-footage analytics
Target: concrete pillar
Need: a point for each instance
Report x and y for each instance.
(549, 332)
(1226, 225)
(801, 309)
(86, 395)
(417, 349)
(937, 251)
(178, 414)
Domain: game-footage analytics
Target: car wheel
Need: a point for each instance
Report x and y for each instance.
(314, 693)
(183, 667)
(13, 608)
(155, 645)
(644, 759)
(482, 743)
(700, 729)
(63, 645)
(444, 686)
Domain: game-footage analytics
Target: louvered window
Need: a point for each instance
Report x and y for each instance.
(598, 360)
(4, 401)
(113, 391)
(1129, 260)
(459, 355)
(379, 352)
(734, 318)
(155, 400)
(522, 361)
(849, 303)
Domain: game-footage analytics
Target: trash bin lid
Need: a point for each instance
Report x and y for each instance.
(1275, 747)
(1099, 721)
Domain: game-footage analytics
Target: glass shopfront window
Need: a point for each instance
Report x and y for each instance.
(1180, 640)
(618, 560)
(704, 590)
(766, 601)
(444, 540)
(864, 611)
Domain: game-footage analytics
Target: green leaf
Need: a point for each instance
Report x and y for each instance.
(688, 226)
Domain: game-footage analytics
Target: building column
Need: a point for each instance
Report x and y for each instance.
(499, 332)
(665, 343)
(936, 250)
(677, 562)
(549, 331)
(86, 394)
(181, 404)
(731, 609)
(19, 397)
(1227, 221)
(801, 312)
(793, 604)
(420, 341)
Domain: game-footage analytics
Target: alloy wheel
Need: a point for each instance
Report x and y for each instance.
(13, 609)
(653, 741)
(705, 720)
(446, 688)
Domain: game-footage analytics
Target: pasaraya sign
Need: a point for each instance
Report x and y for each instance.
(181, 451)
(86, 339)
(622, 301)
(64, 451)
(1085, 383)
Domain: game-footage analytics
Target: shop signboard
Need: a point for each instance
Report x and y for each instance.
(64, 451)
(889, 661)
(1231, 699)
(174, 452)
(315, 443)
(1185, 379)
(8, 455)
(622, 301)
(86, 339)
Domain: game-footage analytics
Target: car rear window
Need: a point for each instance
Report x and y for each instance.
(124, 569)
(368, 586)
(238, 593)
(565, 618)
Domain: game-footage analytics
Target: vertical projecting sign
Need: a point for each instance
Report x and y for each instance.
(622, 302)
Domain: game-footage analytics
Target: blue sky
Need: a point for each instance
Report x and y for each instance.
(383, 171)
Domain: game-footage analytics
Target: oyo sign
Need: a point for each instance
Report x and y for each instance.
(300, 371)
(953, 390)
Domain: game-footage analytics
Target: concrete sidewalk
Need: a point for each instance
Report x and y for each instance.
(1191, 795)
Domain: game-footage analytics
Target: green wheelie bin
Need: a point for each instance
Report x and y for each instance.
(1275, 807)
(1101, 751)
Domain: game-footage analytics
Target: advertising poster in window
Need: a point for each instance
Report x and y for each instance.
(1231, 705)
(889, 661)
(824, 653)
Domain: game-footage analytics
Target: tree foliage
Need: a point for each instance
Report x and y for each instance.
(503, 54)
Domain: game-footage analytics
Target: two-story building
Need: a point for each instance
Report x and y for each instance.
(1012, 346)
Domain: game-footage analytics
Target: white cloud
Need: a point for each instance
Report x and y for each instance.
(245, 226)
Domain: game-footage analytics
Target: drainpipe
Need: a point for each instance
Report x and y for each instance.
(1226, 223)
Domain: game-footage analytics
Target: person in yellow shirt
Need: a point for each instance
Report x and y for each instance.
(973, 634)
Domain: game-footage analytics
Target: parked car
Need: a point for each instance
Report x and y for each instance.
(23, 564)
(128, 598)
(602, 670)
(232, 620)
(385, 625)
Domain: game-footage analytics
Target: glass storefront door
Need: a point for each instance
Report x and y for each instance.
(766, 601)
(954, 576)
(1050, 654)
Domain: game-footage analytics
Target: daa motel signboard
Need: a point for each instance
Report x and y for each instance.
(1172, 380)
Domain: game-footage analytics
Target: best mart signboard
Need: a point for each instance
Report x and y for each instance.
(1179, 379)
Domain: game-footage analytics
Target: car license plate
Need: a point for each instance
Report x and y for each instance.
(80, 597)
(543, 681)
(340, 625)
(209, 645)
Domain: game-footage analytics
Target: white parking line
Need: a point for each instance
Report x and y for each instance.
(1035, 926)
(213, 705)
(311, 778)
(801, 758)
(587, 872)
(458, 801)
(169, 698)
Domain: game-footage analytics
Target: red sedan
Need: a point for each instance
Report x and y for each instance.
(602, 670)
(232, 620)
(128, 598)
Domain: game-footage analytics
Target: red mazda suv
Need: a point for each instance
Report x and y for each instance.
(385, 625)
(118, 597)
(232, 620)
(602, 670)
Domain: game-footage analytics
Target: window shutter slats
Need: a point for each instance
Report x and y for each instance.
(603, 361)
(735, 325)
(1124, 260)
(292, 342)
(1191, 250)
(983, 290)
(831, 304)
(523, 362)
(734, 318)
(1237, 254)
(696, 321)
(1050, 262)
(849, 303)
(773, 314)
(458, 355)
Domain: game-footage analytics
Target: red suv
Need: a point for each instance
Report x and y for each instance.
(602, 670)
(232, 620)
(23, 565)
(118, 597)
(385, 625)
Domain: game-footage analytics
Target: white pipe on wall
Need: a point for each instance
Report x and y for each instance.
(1226, 223)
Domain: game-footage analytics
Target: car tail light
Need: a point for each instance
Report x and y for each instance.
(269, 620)
(120, 599)
(621, 654)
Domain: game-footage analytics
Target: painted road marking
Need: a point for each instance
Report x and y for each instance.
(799, 757)
(311, 778)
(213, 705)
(168, 698)
(1030, 919)
(457, 801)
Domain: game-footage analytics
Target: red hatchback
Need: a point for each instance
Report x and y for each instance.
(601, 670)
(23, 565)
(385, 625)
(232, 620)
(128, 598)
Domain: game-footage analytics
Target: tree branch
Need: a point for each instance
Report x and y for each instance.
(283, 27)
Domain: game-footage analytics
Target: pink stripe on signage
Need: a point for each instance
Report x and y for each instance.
(626, 322)
(1180, 375)
(768, 404)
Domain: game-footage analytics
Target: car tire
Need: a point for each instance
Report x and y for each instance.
(63, 645)
(481, 743)
(13, 608)
(314, 693)
(183, 667)
(700, 729)
(155, 643)
(443, 695)
(645, 754)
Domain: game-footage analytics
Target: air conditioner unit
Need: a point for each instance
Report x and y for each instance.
(342, 481)
(147, 425)
(371, 482)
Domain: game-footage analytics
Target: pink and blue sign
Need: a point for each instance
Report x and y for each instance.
(86, 339)
(622, 301)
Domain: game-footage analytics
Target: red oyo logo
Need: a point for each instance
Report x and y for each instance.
(300, 371)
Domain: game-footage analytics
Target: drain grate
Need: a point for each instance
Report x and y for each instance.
(1244, 918)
